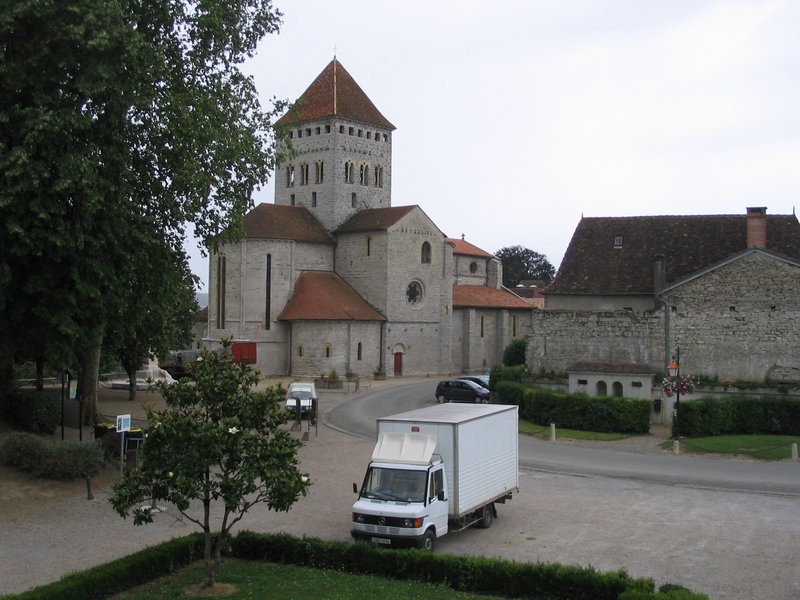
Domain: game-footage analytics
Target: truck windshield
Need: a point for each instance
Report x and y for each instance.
(394, 484)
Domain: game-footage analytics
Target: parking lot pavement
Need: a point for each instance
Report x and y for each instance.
(728, 545)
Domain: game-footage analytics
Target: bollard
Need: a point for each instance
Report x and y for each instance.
(89, 494)
(552, 432)
(794, 452)
(676, 447)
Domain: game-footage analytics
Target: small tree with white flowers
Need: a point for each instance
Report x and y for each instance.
(218, 442)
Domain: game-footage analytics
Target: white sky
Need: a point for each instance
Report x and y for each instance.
(515, 118)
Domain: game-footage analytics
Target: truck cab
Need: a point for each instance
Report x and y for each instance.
(403, 500)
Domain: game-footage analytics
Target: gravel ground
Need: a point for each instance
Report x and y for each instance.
(725, 544)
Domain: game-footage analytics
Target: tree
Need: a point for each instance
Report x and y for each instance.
(120, 121)
(520, 263)
(220, 442)
(157, 313)
(514, 353)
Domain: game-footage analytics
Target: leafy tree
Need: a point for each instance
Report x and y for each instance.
(120, 121)
(219, 442)
(158, 311)
(520, 263)
(514, 353)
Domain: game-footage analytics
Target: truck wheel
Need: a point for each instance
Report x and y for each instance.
(487, 516)
(439, 399)
(428, 541)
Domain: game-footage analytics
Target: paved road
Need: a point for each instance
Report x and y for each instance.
(357, 417)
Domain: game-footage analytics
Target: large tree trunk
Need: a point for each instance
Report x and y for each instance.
(39, 373)
(131, 383)
(88, 377)
(7, 381)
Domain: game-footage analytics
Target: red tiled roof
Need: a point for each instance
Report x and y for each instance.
(323, 295)
(464, 247)
(279, 222)
(481, 296)
(372, 219)
(334, 92)
(611, 367)
(688, 244)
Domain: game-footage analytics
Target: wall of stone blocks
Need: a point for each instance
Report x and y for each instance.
(559, 339)
(740, 321)
(342, 337)
(366, 273)
(425, 347)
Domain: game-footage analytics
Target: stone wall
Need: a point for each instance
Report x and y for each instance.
(559, 339)
(739, 321)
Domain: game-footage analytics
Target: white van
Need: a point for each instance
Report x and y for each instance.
(301, 394)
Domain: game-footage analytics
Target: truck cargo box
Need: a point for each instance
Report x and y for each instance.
(479, 446)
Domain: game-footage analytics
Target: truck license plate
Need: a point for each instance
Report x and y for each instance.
(379, 540)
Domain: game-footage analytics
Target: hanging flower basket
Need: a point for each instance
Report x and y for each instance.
(674, 385)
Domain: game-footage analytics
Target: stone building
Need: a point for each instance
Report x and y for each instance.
(724, 289)
(333, 277)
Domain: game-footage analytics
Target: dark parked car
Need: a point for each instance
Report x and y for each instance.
(481, 380)
(461, 390)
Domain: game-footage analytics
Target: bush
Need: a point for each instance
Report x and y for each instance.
(740, 416)
(120, 575)
(51, 460)
(464, 573)
(516, 373)
(576, 411)
(35, 412)
(514, 353)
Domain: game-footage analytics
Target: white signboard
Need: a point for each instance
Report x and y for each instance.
(123, 423)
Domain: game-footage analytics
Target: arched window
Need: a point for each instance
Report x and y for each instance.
(320, 171)
(616, 389)
(290, 176)
(304, 174)
(327, 350)
(426, 252)
(300, 350)
(602, 388)
(348, 171)
(358, 351)
(364, 174)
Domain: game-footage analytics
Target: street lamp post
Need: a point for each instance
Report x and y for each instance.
(675, 372)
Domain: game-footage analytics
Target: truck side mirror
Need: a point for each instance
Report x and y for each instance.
(440, 495)
(355, 488)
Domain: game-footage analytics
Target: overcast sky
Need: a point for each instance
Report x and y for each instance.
(515, 118)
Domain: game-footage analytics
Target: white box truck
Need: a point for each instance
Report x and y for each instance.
(437, 469)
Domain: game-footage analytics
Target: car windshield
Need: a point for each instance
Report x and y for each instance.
(299, 394)
(394, 484)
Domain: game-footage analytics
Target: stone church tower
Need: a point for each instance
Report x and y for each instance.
(341, 151)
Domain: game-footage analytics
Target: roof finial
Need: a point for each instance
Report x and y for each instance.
(334, 52)
(462, 237)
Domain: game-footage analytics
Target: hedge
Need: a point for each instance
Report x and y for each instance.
(478, 575)
(739, 416)
(122, 574)
(35, 412)
(576, 411)
(51, 459)
(469, 574)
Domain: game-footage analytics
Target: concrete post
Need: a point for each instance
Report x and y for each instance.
(676, 447)
(552, 432)
(794, 452)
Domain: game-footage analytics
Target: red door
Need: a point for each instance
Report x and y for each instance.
(398, 364)
(244, 352)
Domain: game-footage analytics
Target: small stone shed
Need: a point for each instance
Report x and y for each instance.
(624, 380)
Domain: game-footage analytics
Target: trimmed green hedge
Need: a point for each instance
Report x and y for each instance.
(51, 459)
(478, 575)
(36, 412)
(122, 574)
(576, 411)
(739, 416)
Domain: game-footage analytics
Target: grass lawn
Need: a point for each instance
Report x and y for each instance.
(528, 428)
(288, 582)
(762, 447)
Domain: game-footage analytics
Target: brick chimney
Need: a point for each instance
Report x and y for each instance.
(757, 227)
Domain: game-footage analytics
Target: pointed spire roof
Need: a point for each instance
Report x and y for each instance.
(334, 93)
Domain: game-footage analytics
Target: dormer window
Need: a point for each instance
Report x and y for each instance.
(618, 241)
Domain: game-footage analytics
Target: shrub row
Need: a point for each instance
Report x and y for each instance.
(34, 412)
(498, 374)
(742, 416)
(478, 575)
(122, 574)
(576, 411)
(51, 460)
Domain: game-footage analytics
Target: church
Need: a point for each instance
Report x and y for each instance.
(333, 277)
